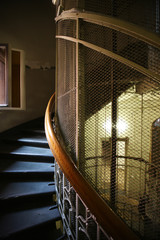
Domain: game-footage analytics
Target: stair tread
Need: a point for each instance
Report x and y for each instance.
(26, 186)
(10, 190)
(32, 137)
(25, 150)
(9, 166)
(15, 222)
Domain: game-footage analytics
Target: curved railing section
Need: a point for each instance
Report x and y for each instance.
(109, 222)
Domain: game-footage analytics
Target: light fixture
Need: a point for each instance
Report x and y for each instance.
(121, 126)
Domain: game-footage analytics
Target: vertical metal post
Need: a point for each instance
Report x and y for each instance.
(96, 150)
(63, 205)
(140, 167)
(114, 141)
(77, 212)
(77, 92)
(114, 116)
(81, 105)
(56, 77)
(126, 166)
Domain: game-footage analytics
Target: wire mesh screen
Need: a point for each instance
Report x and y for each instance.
(121, 110)
(117, 120)
(143, 13)
(140, 12)
(66, 92)
(67, 28)
(126, 46)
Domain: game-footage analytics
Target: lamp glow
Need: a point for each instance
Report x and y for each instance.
(121, 126)
(107, 126)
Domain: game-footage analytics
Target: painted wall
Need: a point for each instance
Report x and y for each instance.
(30, 26)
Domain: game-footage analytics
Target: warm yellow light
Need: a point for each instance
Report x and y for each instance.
(107, 126)
(121, 126)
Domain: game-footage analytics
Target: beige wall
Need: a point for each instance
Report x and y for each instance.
(39, 88)
(29, 26)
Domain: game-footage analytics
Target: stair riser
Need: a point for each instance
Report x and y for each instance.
(30, 175)
(28, 201)
(21, 157)
(38, 233)
(26, 220)
(27, 143)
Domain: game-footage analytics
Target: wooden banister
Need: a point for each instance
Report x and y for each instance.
(105, 216)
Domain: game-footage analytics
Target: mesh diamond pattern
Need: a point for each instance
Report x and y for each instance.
(118, 117)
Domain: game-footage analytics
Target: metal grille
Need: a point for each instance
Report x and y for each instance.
(122, 44)
(78, 221)
(142, 13)
(67, 28)
(103, 7)
(66, 92)
(121, 105)
(117, 122)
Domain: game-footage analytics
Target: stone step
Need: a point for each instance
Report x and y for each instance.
(27, 138)
(24, 189)
(13, 223)
(12, 169)
(25, 152)
(15, 167)
(27, 188)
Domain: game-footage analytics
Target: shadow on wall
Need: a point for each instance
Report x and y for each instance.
(39, 87)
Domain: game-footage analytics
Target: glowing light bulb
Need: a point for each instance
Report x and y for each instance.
(107, 126)
(121, 126)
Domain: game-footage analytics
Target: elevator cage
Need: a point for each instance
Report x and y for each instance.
(108, 103)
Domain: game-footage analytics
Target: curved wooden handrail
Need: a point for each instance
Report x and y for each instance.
(105, 216)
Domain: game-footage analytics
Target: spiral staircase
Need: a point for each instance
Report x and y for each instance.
(107, 70)
(27, 188)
